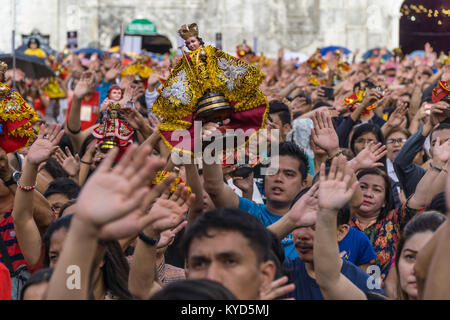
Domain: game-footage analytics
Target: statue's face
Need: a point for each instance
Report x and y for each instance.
(115, 94)
(193, 43)
(114, 114)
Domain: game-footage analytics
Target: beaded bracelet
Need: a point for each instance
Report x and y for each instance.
(26, 188)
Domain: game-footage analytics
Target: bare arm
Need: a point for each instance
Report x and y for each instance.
(193, 181)
(334, 193)
(27, 231)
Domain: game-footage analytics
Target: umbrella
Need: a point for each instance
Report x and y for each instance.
(419, 53)
(325, 50)
(89, 52)
(33, 66)
(369, 54)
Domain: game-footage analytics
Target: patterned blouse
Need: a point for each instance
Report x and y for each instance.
(385, 233)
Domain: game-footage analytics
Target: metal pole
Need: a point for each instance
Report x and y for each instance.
(122, 36)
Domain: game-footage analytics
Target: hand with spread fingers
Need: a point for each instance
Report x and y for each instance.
(369, 156)
(45, 145)
(70, 163)
(324, 134)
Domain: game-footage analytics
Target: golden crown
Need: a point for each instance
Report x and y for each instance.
(187, 32)
(114, 106)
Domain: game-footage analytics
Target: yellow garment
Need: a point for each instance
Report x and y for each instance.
(143, 71)
(221, 72)
(53, 90)
(35, 52)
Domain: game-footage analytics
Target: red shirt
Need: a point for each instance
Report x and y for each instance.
(5, 283)
(8, 234)
(88, 112)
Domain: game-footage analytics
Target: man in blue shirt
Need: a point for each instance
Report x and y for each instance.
(319, 272)
(281, 189)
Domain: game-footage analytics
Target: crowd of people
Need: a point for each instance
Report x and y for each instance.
(92, 205)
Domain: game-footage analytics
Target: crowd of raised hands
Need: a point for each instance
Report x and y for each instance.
(384, 158)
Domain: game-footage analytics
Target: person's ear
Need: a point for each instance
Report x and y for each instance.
(267, 274)
(342, 231)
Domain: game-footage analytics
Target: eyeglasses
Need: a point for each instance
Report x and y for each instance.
(389, 141)
(364, 141)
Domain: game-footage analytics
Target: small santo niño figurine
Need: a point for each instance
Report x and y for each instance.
(209, 85)
(16, 118)
(115, 94)
(113, 132)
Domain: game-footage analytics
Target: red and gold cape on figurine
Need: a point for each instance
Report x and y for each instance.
(441, 92)
(209, 85)
(16, 118)
(113, 132)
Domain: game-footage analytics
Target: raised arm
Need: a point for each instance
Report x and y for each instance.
(107, 209)
(334, 193)
(221, 194)
(27, 231)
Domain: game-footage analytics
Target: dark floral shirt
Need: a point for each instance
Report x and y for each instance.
(385, 233)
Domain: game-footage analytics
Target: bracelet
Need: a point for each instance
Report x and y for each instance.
(73, 132)
(337, 154)
(84, 162)
(147, 240)
(435, 168)
(25, 188)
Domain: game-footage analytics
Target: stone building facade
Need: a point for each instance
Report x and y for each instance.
(296, 25)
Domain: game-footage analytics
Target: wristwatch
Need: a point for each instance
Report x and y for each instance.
(14, 179)
(148, 240)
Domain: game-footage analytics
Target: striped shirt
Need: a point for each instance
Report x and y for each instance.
(8, 234)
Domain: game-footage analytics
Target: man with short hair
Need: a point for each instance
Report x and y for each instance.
(232, 247)
(287, 180)
(280, 115)
(60, 191)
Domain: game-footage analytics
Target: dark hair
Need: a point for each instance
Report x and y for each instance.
(291, 149)
(60, 223)
(363, 128)
(398, 129)
(280, 108)
(438, 203)
(423, 222)
(388, 196)
(369, 84)
(115, 269)
(66, 205)
(230, 219)
(85, 144)
(65, 142)
(343, 216)
(441, 126)
(199, 289)
(34, 40)
(40, 276)
(64, 186)
(54, 169)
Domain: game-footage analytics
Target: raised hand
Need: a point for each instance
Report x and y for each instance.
(334, 191)
(85, 86)
(441, 152)
(113, 193)
(398, 115)
(277, 288)
(323, 134)
(170, 209)
(167, 236)
(369, 156)
(70, 163)
(45, 145)
(155, 120)
(307, 204)
(438, 112)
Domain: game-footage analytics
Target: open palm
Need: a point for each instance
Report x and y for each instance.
(46, 144)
